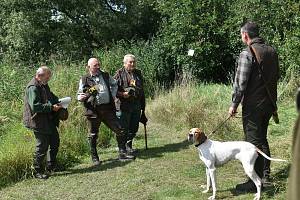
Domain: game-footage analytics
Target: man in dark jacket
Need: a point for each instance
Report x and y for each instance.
(40, 110)
(132, 98)
(97, 91)
(255, 86)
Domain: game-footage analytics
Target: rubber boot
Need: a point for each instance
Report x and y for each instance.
(129, 148)
(123, 155)
(93, 148)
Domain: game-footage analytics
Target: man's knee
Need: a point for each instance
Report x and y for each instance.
(42, 143)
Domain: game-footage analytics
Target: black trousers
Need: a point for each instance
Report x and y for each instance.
(45, 142)
(107, 115)
(255, 124)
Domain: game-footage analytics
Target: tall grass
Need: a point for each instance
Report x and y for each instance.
(191, 105)
(17, 142)
(184, 106)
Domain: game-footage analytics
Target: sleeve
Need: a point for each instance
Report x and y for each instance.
(242, 76)
(35, 102)
(118, 79)
(113, 86)
(80, 88)
(54, 99)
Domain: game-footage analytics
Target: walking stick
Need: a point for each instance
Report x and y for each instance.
(143, 120)
(145, 129)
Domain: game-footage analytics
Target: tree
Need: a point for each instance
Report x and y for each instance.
(35, 30)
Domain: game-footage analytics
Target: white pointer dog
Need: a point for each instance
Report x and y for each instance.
(214, 153)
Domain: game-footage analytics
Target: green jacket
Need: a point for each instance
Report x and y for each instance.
(38, 114)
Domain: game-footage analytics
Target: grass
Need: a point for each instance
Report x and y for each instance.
(170, 169)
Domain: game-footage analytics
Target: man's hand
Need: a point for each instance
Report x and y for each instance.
(126, 95)
(82, 96)
(56, 107)
(232, 111)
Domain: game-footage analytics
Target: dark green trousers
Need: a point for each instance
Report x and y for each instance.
(130, 119)
(255, 124)
(45, 142)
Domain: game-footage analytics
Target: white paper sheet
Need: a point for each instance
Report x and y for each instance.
(64, 102)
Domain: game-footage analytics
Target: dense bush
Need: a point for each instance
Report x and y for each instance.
(212, 29)
(38, 30)
(158, 33)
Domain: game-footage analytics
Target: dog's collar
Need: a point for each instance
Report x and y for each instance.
(197, 145)
(201, 141)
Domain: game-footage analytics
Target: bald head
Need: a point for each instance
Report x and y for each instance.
(93, 66)
(43, 74)
(92, 61)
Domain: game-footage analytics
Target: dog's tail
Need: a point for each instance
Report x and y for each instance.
(267, 157)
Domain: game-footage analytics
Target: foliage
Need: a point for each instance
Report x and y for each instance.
(17, 143)
(212, 29)
(39, 29)
(155, 172)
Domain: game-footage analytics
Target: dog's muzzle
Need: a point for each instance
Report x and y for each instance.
(190, 137)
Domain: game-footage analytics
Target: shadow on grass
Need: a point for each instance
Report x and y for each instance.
(278, 183)
(27, 173)
(105, 165)
(142, 154)
(155, 152)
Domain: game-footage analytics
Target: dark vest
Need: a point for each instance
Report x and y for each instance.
(123, 83)
(88, 82)
(41, 122)
(256, 91)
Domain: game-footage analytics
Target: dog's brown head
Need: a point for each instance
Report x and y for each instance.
(197, 136)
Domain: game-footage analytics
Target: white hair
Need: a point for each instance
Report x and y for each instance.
(91, 60)
(43, 70)
(128, 56)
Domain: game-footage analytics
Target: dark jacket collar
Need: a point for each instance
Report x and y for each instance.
(257, 40)
(201, 141)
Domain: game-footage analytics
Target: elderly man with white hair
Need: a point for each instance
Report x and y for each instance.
(97, 91)
(41, 106)
(132, 98)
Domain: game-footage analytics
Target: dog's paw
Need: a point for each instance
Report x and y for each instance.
(257, 197)
(203, 186)
(211, 198)
(205, 191)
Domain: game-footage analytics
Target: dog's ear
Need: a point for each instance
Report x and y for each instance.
(197, 135)
(198, 130)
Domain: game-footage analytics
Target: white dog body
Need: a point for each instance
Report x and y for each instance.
(214, 153)
(222, 152)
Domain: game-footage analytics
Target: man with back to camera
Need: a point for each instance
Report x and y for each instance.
(255, 87)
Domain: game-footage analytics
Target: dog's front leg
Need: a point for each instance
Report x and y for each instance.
(213, 182)
(207, 181)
